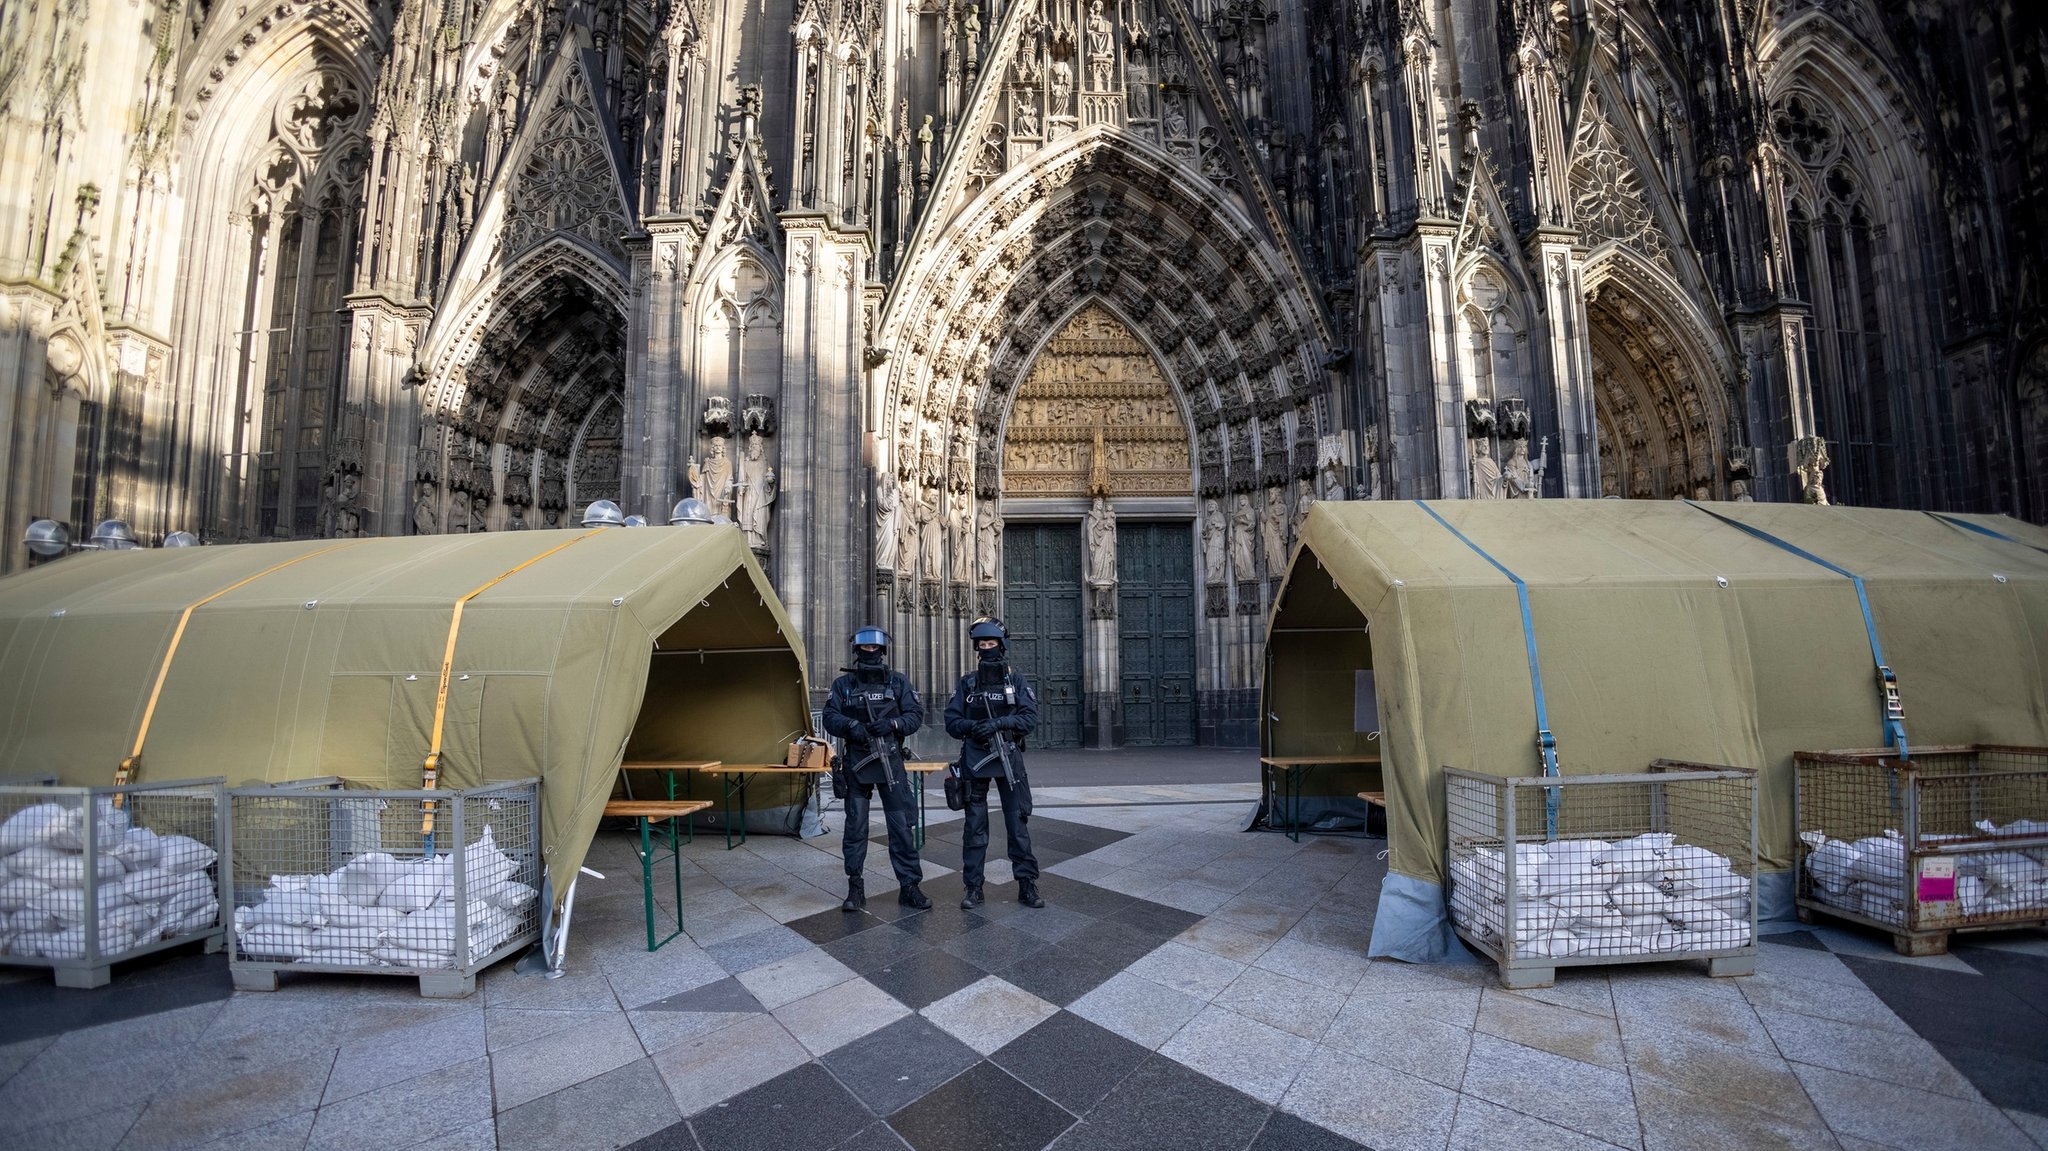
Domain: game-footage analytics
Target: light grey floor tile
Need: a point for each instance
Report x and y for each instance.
(661, 1030)
(2036, 1126)
(1400, 1032)
(706, 1071)
(1795, 962)
(511, 1026)
(1187, 970)
(638, 976)
(1675, 1120)
(1842, 1002)
(763, 947)
(96, 1129)
(1375, 1105)
(209, 1103)
(1483, 1126)
(720, 926)
(786, 899)
(1588, 1099)
(1701, 1066)
(1579, 988)
(1905, 1117)
(1392, 977)
(409, 1112)
(1338, 971)
(287, 1134)
(546, 1065)
(1546, 1027)
(1273, 999)
(481, 1136)
(366, 1065)
(1255, 914)
(1874, 945)
(1137, 1009)
(583, 986)
(1337, 931)
(1227, 939)
(988, 1013)
(622, 1106)
(830, 1019)
(1698, 1005)
(1240, 1052)
(788, 980)
(1129, 881)
(1892, 1056)
(1189, 895)
(17, 1055)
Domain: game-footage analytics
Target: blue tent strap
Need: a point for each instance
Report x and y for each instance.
(1891, 713)
(1980, 529)
(1546, 743)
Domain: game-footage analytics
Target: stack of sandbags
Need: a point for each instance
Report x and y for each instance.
(147, 886)
(381, 911)
(1640, 896)
(1868, 876)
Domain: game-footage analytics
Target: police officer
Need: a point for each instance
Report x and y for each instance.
(991, 712)
(873, 709)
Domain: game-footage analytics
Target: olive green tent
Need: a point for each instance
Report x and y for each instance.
(323, 658)
(1662, 629)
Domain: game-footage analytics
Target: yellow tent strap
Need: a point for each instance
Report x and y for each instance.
(133, 764)
(432, 768)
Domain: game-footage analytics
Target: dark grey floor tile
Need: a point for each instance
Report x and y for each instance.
(894, 1066)
(994, 947)
(922, 979)
(1953, 1008)
(1051, 923)
(727, 994)
(677, 1137)
(1157, 918)
(2020, 975)
(1163, 1104)
(877, 1137)
(943, 922)
(1794, 939)
(805, 1109)
(878, 948)
(985, 1109)
(1284, 1132)
(1117, 943)
(758, 949)
(826, 926)
(33, 1007)
(1060, 975)
(613, 1110)
(1071, 1061)
(1085, 898)
(2004, 1078)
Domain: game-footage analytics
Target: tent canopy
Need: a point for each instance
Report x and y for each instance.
(1663, 631)
(327, 661)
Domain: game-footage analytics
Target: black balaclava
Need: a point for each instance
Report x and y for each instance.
(994, 664)
(872, 665)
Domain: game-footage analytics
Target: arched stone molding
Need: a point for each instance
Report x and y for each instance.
(1661, 371)
(241, 55)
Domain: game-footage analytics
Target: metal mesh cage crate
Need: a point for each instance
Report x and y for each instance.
(90, 876)
(1953, 839)
(1565, 871)
(330, 878)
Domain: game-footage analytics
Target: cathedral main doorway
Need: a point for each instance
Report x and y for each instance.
(1042, 609)
(1156, 633)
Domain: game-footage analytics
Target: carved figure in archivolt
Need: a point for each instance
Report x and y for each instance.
(1213, 532)
(988, 547)
(888, 524)
(757, 491)
(1244, 530)
(712, 481)
(1062, 86)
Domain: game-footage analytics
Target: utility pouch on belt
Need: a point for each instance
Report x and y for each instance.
(956, 788)
(842, 784)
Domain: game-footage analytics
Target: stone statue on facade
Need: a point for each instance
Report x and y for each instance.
(1214, 568)
(1101, 543)
(712, 481)
(1244, 527)
(757, 491)
(1519, 479)
(1273, 530)
(888, 526)
(1062, 86)
(1101, 47)
(1486, 478)
(931, 538)
(1810, 456)
(963, 539)
(988, 549)
(424, 522)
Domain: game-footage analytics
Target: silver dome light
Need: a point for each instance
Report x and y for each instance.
(47, 538)
(114, 536)
(181, 539)
(636, 521)
(690, 510)
(603, 514)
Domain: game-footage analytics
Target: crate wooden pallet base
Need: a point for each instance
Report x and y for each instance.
(1531, 973)
(1919, 944)
(252, 975)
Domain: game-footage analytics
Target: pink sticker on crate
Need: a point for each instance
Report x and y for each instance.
(1938, 880)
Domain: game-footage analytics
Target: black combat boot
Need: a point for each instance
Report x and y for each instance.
(972, 899)
(856, 894)
(1027, 893)
(909, 896)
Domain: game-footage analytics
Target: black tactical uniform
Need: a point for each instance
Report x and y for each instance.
(991, 712)
(873, 708)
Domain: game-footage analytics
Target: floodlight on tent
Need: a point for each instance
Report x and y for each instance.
(114, 536)
(636, 521)
(691, 510)
(603, 514)
(46, 538)
(181, 539)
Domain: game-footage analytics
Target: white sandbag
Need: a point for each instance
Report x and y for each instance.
(289, 908)
(419, 885)
(149, 885)
(31, 825)
(1477, 881)
(68, 870)
(2012, 869)
(345, 939)
(28, 919)
(1583, 902)
(273, 941)
(139, 848)
(363, 880)
(488, 929)
(2018, 827)
(1830, 861)
(483, 865)
(1879, 859)
(194, 886)
(1637, 858)
(341, 959)
(511, 895)
(1970, 894)
(178, 922)
(184, 853)
(408, 957)
(33, 858)
(1637, 898)
(1612, 940)
(18, 890)
(342, 912)
(68, 903)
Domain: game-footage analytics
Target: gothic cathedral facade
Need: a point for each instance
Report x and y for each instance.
(1064, 310)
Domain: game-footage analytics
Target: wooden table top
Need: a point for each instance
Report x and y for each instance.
(655, 808)
(671, 765)
(1316, 760)
(1376, 798)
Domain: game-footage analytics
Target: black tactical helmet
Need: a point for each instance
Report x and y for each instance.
(870, 635)
(988, 627)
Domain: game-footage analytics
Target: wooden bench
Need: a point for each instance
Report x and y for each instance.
(1280, 783)
(645, 812)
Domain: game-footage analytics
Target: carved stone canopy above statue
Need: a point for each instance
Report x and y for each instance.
(1095, 394)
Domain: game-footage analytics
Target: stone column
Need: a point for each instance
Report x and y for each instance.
(1568, 357)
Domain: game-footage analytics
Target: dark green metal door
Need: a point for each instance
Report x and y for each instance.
(1042, 608)
(1155, 569)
